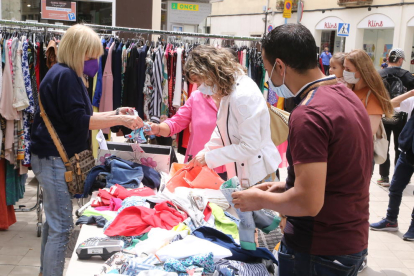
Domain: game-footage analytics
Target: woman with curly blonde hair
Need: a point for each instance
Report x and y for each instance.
(242, 140)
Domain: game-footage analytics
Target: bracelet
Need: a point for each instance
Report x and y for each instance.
(117, 111)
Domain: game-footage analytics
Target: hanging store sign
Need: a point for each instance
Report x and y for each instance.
(329, 23)
(189, 13)
(59, 10)
(376, 21)
(184, 7)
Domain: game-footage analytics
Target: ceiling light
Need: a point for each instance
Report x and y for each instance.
(29, 5)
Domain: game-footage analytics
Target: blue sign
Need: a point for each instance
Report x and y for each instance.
(343, 29)
(269, 28)
(72, 16)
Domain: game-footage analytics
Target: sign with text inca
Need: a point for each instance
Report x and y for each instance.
(187, 12)
(59, 10)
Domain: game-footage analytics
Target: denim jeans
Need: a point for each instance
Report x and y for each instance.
(292, 263)
(58, 210)
(123, 174)
(402, 175)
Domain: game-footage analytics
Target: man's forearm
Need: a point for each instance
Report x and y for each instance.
(290, 203)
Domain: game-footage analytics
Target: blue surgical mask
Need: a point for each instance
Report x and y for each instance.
(281, 91)
(206, 90)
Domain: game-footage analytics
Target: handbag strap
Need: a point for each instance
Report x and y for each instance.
(54, 135)
(366, 100)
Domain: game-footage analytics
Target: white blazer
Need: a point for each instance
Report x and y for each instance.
(242, 139)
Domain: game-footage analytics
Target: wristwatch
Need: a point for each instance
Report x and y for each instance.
(117, 111)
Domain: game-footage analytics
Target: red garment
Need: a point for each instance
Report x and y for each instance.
(122, 193)
(137, 220)
(114, 205)
(37, 67)
(7, 215)
(207, 212)
(104, 199)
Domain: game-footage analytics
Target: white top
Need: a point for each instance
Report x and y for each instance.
(406, 106)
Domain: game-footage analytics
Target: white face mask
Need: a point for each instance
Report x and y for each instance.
(206, 90)
(349, 77)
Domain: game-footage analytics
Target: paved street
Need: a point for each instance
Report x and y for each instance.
(389, 255)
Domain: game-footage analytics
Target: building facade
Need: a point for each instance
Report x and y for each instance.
(124, 13)
(375, 25)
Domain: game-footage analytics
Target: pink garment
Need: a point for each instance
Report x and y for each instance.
(202, 123)
(114, 205)
(282, 148)
(107, 99)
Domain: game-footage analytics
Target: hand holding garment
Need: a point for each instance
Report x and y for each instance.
(134, 221)
(249, 220)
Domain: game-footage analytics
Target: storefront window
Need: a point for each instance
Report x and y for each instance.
(332, 41)
(95, 13)
(378, 44)
(30, 9)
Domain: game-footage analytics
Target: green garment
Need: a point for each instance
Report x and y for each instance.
(109, 215)
(223, 223)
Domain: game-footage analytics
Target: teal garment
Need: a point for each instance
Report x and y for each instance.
(15, 184)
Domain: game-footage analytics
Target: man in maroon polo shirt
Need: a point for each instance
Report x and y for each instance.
(330, 153)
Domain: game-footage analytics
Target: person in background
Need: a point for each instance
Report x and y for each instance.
(326, 58)
(337, 67)
(403, 172)
(365, 81)
(200, 113)
(66, 102)
(326, 181)
(397, 123)
(242, 140)
(384, 63)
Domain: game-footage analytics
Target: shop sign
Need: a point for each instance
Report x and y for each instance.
(329, 23)
(287, 11)
(58, 10)
(187, 13)
(184, 7)
(376, 21)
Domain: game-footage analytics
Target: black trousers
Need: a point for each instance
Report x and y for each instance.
(395, 130)
(326, 68)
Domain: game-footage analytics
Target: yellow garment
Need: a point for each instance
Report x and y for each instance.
(181, 227)
(223, 223)
(281, 103)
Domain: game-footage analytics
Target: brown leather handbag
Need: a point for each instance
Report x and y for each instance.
(77, 167)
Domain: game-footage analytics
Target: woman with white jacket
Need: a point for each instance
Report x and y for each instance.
(242, 139)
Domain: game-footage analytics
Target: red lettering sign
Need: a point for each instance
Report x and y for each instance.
(329, 25)
(375, 24)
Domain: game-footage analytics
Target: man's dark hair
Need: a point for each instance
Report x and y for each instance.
(293, 44)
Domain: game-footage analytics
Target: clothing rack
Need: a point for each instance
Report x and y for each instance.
(129, 30)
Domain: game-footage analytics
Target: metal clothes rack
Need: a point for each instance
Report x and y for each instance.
(129, 30)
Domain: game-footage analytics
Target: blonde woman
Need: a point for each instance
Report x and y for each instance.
(66, 102)
(365, 81)
(241, 140)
